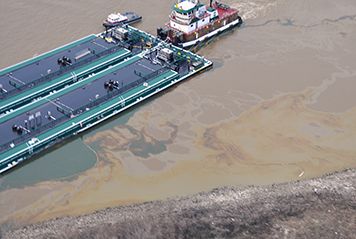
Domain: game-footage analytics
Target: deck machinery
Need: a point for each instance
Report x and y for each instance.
(68, 90)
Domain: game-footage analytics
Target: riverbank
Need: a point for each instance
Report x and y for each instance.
(318, 208)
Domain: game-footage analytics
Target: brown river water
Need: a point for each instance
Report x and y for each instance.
(279, 105)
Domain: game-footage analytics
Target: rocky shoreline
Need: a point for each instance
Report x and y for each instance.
(318, 208)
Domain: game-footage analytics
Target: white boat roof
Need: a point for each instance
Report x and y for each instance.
(186, 5)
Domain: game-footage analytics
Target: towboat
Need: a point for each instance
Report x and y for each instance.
(192, 22)
(117, 19)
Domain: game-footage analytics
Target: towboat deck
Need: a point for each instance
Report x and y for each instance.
(223, 12)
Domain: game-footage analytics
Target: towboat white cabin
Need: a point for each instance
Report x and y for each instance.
(189, 15)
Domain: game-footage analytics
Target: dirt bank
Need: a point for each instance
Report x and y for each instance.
(318, 208)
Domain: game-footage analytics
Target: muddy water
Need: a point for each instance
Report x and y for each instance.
(279, 105)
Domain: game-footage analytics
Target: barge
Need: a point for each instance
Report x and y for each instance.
(137, 66)
(192, 23)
